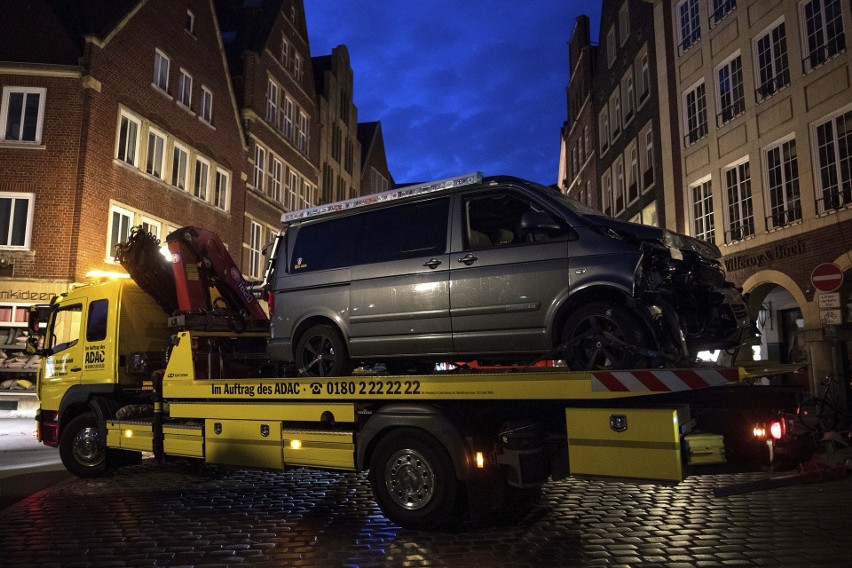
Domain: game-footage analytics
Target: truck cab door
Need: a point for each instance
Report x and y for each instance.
(64, 362)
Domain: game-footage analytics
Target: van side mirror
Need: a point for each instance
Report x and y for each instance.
(539, 221)
(39, 315)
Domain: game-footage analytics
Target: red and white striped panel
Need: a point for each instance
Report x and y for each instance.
(661, 380)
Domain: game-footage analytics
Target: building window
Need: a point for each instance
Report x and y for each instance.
(610, 47)
(823, 32)
(255, 247)
(648, 172)
(633, 175)
(121, 220)
(619, 204)
(22, 114)
(289, 108)
(721, 8)
(161, 70)
(206, 112)
(128, 139)
(606, 198)
(702, 211)
(782, 174)
(378, 182)
(624, 22)
(740, 211)
(293, 191)
(272, 103)
(616, 115)
(649, 215)
(180, 161)
(688, 24)
(259, 168)
(284, 54)
(190, 22)
(185, 89)
(695, 105)
(729, 78)
(297, 67)
(202, 179)
(603, 129)
(153, 227)
(302, 134)
(646, 78)
(156, 154)
(222, 190)
(773, 69)
(586, 141)
(16, 219)
(833, 139)
(277, 180)
(628, 97)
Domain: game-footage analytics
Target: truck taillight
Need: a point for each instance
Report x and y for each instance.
(777, 429)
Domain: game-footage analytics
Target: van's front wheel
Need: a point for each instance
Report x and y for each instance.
(603, 336)
(321, 352)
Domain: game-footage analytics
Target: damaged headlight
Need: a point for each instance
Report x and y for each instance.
(677, 243)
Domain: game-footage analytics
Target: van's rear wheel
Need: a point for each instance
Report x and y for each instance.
(321, 352)
(603, 335)
(81, 448)
(413, 479)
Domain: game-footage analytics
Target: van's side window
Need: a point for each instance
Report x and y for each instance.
(96, 325)
(323, 245)
(497, 219)
(406, 231)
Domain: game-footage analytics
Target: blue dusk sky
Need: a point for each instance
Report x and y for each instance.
(458, 85)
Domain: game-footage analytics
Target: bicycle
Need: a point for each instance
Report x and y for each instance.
(825, 413)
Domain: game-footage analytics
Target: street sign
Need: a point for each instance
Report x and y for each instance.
(830, 317)
(830, 301)
(827, 277)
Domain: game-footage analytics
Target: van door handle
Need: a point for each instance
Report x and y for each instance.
(432, 263)
(76, 369)
(468, 259)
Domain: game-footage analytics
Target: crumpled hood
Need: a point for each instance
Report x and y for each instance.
(663, 236)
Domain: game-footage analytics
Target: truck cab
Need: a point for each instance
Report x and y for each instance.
(101, 339)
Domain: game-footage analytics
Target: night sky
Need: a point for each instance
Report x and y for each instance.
(458, 85)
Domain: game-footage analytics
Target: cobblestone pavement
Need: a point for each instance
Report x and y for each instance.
(175, 515)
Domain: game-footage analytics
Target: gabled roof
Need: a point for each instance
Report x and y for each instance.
(53, 31)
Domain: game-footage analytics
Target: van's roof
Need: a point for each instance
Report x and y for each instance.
(391, 195)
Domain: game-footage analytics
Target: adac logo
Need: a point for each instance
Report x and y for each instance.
(316, 388)
(175, 258)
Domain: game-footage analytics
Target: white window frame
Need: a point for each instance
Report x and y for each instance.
(113, 240)
(606, 198)
(629, 105)
(190, 22)
(255, 246)
(701, 204)
(603, 129)
(730, 89)
(814, 56)
(649, 158)
(276, 180)
(259, 178)
(185, 88)
(620, 189)
(162, 62)
(687, 16)
(11, 223)
(293, 189)
(273, 101)
(633, 173)
(178, 150)
(205, 112)
(773, 74)
(5, 119)
(615, 115)
(739, 201)
(127, 143)
(222, 190)
(298, 67)
(303, 134)
(201, 179)
(284, 53)
(838, 194)
(695, 125)
(155, 165)
(783, 193)
(287, 119)
(719, 10)
(611, 52)
(152, 226)
(624, 22)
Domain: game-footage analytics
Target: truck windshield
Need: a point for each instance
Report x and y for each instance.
(65, 331)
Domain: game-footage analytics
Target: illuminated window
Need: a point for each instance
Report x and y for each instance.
(156, 155)
(16, 219)
(702, 211)
(128, 139)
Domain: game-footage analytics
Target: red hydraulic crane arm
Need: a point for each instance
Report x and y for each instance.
(201, 262)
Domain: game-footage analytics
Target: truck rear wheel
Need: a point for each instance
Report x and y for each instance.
(603, 336)
(321, 352)
(81, 449)
(413, 479)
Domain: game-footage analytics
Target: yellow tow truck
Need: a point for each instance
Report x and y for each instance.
(126, 372)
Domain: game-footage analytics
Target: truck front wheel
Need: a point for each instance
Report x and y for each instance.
(413, 479)
(81, 449)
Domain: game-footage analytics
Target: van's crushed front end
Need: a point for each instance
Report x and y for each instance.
(693, 308)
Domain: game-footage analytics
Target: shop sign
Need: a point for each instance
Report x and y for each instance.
(765, 257)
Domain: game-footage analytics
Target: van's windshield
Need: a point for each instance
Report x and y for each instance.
(569, 202)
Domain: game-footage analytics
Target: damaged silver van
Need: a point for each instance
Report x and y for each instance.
(495, 269)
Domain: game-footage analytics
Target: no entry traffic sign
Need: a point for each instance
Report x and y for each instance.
(827, 277)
